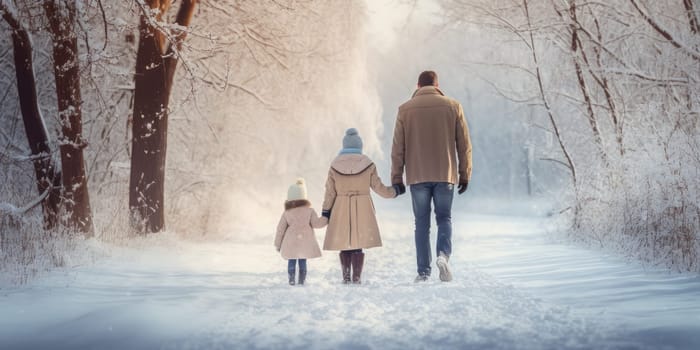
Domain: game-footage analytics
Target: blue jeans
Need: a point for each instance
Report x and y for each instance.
(291, 265)
(441, 194)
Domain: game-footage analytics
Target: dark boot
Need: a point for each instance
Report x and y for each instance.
(358, 260)
(292, 273)
(302, 277)
(345, 261)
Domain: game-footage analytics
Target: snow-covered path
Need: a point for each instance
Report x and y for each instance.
(656, 307)
(513, 289)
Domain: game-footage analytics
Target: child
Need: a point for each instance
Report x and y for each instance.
(295, 238)
(348, 206)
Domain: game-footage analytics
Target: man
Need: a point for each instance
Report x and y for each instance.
(431, 140)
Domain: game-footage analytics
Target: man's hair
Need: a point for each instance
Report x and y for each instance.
(426, 78)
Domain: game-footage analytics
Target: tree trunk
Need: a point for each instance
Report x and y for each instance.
(155, 70)
(76, 200)
(37, 136)
(149, 134)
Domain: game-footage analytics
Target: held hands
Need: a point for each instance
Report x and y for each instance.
(462, 186)
(399, 188)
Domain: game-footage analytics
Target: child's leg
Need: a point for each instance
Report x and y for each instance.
(291, 270)
(302, 271)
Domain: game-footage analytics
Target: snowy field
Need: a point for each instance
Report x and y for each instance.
(514, 288)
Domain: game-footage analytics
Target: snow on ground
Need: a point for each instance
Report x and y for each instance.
(513, 289)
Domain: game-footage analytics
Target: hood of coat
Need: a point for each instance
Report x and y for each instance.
(350, 164)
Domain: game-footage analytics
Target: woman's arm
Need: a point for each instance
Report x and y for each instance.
(329, 198)
(378, 186)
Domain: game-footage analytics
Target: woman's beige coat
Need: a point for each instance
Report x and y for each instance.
(353, 224)
(295, 237)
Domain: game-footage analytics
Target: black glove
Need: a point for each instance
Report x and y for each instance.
(463, 187)
(399, 188)
(326, 213)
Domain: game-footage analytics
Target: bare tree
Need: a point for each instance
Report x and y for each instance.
(581, 79)
(157, 58)
(47, 178)
(62, 27)
(666, 34)
(604, 83)
(633, 69)
(538, 76)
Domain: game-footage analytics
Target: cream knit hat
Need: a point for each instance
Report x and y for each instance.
(297, 191)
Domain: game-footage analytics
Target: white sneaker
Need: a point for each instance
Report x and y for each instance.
(444, 266)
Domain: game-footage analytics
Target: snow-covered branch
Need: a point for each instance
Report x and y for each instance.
(658, 27)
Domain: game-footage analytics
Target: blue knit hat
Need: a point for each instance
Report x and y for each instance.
(352, 140)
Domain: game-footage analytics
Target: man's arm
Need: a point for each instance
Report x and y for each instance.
(464, 148)
(398, 152)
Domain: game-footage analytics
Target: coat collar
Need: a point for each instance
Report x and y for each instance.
(427, 90)
(297, 203)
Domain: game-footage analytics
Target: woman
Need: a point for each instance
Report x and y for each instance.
(352, 224)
